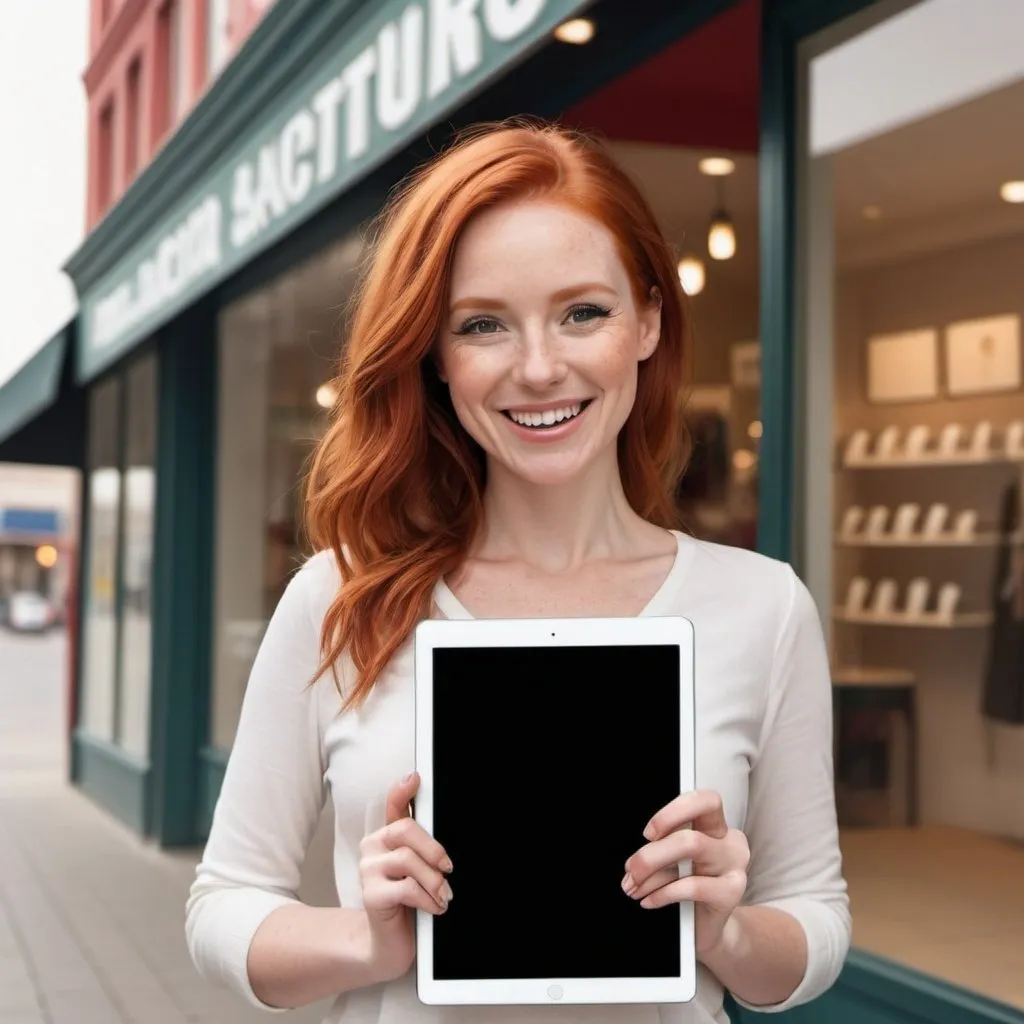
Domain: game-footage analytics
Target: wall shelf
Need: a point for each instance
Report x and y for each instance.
(980, 540)
(964, 620)
(933, 461)
(871, 676)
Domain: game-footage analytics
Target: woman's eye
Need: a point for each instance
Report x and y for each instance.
(481, 325)
(584, 314)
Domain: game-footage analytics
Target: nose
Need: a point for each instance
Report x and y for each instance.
(539, 364)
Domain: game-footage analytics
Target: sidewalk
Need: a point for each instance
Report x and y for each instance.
(91, 918)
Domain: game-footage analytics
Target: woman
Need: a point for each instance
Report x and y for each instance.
(507, 443)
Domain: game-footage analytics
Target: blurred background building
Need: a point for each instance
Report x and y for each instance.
(843, 181)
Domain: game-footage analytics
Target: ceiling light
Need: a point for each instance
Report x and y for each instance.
(755, 430)
(743, 459)
(577, 31)
(716, 166)
(326, 396)
(721, 237)
(872, 212)
(46, 556)
(691, 275)
(1012, 191)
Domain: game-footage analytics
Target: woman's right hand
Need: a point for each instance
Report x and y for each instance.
(402, 869)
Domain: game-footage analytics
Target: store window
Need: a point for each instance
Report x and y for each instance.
(912, 221)
(120, 489)
(277, 350)
(103, 495)
(137, 557)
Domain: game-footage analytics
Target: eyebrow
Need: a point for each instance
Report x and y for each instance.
(560, 296)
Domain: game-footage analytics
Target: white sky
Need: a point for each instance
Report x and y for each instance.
(43, 51)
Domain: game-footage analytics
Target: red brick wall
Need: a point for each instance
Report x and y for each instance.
(125, 31)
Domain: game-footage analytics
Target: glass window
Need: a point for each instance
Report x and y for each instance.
(218, 35)
(137, 557)
(914, 247)
(277, 350)
(133, 119)
(105, 158)
(103, 483)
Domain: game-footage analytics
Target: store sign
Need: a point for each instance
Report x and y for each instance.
(399, 71)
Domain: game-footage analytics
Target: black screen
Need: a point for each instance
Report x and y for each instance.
(548, 764)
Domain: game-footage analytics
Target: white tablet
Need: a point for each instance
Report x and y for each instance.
(544, 748)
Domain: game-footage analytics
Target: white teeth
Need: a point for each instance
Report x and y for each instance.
(548, 418)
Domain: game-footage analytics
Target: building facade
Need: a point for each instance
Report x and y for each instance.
(854, 303)
(150, 62)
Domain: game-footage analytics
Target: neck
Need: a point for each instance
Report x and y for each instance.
(559, 527)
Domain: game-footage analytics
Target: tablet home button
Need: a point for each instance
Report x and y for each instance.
(555, 991)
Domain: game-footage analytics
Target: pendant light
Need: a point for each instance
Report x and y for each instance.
(721, 232)
(721, 236)
(691, 274)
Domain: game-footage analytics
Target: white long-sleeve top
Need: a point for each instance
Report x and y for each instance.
(764, 742)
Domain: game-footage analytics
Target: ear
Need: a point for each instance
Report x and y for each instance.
(650, 325)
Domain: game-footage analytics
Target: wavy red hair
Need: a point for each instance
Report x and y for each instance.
(395, 486)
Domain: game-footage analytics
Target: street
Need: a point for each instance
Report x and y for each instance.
(91, 917)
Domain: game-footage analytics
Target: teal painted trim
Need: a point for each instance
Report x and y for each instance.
(34, 388)
(775, 493)
(872, 990)
(182, 574)
(113, 779)
(213, 763)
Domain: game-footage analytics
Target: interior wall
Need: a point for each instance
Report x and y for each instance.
(725, 313)
(971, 771)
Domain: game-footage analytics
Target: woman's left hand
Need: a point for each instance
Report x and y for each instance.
(692, 827)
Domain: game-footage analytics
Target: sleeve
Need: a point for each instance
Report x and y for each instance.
(270, 801)
(792, 830)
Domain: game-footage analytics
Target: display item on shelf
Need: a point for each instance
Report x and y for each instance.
(905, 520)
(917, 598)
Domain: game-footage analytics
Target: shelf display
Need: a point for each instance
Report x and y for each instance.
(904, 531)
(953, 446)
(882, 608)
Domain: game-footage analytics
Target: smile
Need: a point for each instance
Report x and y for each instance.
(548, 418)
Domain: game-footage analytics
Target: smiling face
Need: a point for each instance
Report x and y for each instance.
(542, 340)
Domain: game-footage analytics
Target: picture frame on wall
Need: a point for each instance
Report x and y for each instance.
(903, 367)
(983, 355)
(745, 357)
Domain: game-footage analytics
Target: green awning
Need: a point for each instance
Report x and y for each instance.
(34, 388)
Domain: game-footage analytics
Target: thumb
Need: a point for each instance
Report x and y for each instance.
(400, 795)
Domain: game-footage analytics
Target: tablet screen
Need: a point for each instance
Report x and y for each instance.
(548, 764)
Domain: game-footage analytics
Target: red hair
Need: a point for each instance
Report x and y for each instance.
(395, 487)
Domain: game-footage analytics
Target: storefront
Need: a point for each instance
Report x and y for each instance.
(212, 309)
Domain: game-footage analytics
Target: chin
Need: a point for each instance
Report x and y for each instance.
(549, 471)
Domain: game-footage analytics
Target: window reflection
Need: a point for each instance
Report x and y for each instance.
(103, 483)
(137, 558)
(277, 349)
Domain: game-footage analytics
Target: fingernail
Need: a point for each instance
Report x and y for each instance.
(446, 894)
(628, 884)
(649, 832)
(646, 903)
(446, 866)
(408, 778)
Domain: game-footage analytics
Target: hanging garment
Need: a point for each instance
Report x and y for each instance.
(1003, 697)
